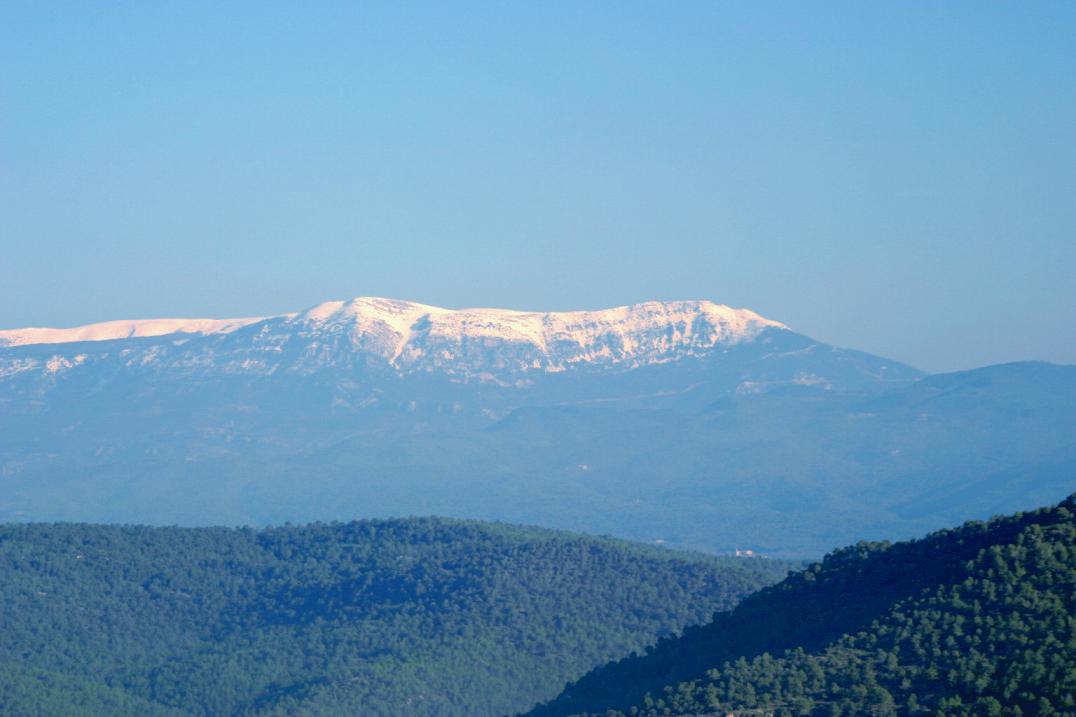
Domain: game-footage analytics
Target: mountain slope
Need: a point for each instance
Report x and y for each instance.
(973, 621)
(410, 337)
(684, 422)
(418, 617)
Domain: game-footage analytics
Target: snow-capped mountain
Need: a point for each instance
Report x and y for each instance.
(411, 337)
(688, 422)
(111, 330)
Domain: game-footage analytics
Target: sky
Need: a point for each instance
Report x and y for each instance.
(898, 178)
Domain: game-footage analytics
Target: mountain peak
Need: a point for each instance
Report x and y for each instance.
(411, 335)
(699, 323)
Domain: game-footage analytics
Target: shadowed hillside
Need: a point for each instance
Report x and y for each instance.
(422, 617)
(979, 620)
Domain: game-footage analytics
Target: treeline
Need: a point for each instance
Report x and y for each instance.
(980, 620)
(415, 617)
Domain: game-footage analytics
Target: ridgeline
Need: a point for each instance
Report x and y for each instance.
(418, 617)
(979, 620)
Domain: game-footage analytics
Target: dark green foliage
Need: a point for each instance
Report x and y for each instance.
(975, 621)
(415, 617)
(29, 692)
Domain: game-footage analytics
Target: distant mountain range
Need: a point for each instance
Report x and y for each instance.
(689, 423)
(473, 344)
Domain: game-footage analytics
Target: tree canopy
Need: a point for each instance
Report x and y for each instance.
(980, 620)
(390, 617)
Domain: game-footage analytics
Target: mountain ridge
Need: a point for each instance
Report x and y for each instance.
(766, 439)
(700, 323)
(425, 616)
(971, 620)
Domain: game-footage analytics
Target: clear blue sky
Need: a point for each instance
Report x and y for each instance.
(896, 177)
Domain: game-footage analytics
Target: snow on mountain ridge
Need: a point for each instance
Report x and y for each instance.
(122, 329)
(413, 336)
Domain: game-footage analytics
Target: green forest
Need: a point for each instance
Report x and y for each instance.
(442, 617)
(393, 617)
(975, 621)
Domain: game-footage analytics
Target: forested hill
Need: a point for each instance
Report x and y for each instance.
(401, 617)
(980, 620)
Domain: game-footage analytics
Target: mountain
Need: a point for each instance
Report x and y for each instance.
(980, 620)
(423, 617)
(378, 339)
(477, 344)
(688, 423)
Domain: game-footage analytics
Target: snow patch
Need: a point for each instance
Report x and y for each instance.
(110, 330)
(479, 343)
